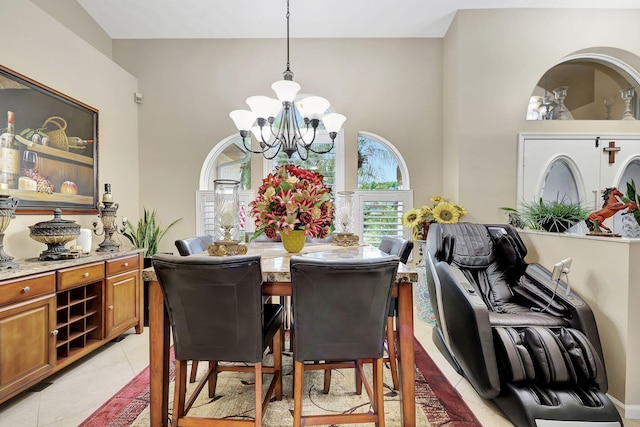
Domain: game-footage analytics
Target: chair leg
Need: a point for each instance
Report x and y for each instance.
(180, 390)
(278, 339)
(298, 381)
(213, 378)
(194, 371)
(327, 381)
(358, 377)
(258, 388)
(391, 350)
(378, 391)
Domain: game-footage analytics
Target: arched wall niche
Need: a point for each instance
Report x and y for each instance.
(589, 84)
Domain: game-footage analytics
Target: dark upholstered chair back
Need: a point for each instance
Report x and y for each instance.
(214, 305)
(193, 245)
(340, 307)
(396, 246)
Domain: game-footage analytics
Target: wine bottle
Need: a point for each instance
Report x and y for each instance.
(9, 156)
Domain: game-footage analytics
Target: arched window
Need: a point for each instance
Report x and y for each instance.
(380, 165)
(227, 160)
(384, 192)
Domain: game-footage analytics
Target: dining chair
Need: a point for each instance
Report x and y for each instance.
(340, 318)
(216, 314)
(192, 246)
(394, 245)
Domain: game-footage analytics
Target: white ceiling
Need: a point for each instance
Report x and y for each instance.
(157, 19)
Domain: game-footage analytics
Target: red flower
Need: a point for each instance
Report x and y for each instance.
(293, 198)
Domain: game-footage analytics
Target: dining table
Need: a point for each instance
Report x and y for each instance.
(277, 283)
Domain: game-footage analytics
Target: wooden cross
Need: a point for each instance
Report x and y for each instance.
(612, 150)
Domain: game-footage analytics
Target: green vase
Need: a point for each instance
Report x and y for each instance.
(294, 241)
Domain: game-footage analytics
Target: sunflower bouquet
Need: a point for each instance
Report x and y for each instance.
(441, 211)
(293, 198)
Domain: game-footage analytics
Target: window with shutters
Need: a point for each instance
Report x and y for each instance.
(382, 197)
(379, 213)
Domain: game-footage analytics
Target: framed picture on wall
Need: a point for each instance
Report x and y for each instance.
(48, 147)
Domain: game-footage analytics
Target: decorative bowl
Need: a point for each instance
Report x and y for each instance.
(54, 233)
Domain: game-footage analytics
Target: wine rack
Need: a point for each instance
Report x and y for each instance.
(78, 319)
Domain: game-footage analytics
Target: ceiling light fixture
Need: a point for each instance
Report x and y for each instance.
(285, 124)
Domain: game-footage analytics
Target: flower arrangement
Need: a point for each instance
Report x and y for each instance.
(293, 198)
(441, 211)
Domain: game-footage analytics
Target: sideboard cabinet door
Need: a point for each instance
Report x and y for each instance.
(27, 343)
(123, 302)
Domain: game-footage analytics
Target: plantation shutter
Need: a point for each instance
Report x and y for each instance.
(379, 213)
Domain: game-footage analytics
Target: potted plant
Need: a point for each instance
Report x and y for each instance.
(147, 233)
(555, 216)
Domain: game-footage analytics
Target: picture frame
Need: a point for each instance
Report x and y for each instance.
(48, 148)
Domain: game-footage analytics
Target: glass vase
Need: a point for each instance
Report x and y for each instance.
(226, 219)
(344, 212)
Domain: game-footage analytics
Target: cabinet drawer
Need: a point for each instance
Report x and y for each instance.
(118, 265)
(76, 276)
(26, 288)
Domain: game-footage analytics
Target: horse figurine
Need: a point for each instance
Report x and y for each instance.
(611, 205)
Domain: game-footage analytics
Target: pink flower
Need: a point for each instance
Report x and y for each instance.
(293, 198)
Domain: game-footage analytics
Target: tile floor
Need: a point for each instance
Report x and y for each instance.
(75, 392)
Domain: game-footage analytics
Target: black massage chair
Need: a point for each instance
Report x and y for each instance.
(519, 338)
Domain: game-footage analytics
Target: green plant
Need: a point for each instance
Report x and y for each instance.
(147, 233)
(556, 216)
(633, 196)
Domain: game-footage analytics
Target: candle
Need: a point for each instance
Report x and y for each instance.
(4, 188)
(107, 196)
(84, 240)
(345, 215)
(228, 217)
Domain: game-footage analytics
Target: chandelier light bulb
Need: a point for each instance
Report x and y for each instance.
(313, 107)
(333, 122)
(263, 106)
(261, 135)
(243, 119)
(286, 90)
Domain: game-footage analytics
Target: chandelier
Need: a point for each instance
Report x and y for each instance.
(285, 124)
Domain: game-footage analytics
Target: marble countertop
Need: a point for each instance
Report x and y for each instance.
(275, 260)
(31, 266)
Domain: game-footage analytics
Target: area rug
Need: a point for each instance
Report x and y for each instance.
(437, 402)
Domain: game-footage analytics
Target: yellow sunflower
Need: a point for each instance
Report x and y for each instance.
(445, 213)
(411, 218)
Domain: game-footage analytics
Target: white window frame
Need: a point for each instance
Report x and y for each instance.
(362, 196)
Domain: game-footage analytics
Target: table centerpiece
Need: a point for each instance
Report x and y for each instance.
(294, 202)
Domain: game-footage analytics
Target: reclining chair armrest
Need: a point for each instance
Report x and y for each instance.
(582, 317)
(468, 331)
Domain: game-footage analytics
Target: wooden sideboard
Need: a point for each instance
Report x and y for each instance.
(52, 313)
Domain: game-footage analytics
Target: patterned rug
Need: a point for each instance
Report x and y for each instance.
(437, 402)
(421, 300)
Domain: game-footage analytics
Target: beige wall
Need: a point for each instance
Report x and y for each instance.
(389, 87)
(56, 57)
(73, 16)
(494, 60)
(603, 272)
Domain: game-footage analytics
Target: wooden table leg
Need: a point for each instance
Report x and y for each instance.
(406, 354)
(158, 357)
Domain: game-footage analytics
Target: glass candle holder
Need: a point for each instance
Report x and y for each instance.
(627, 96)
(344, 212)
(226, 219)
